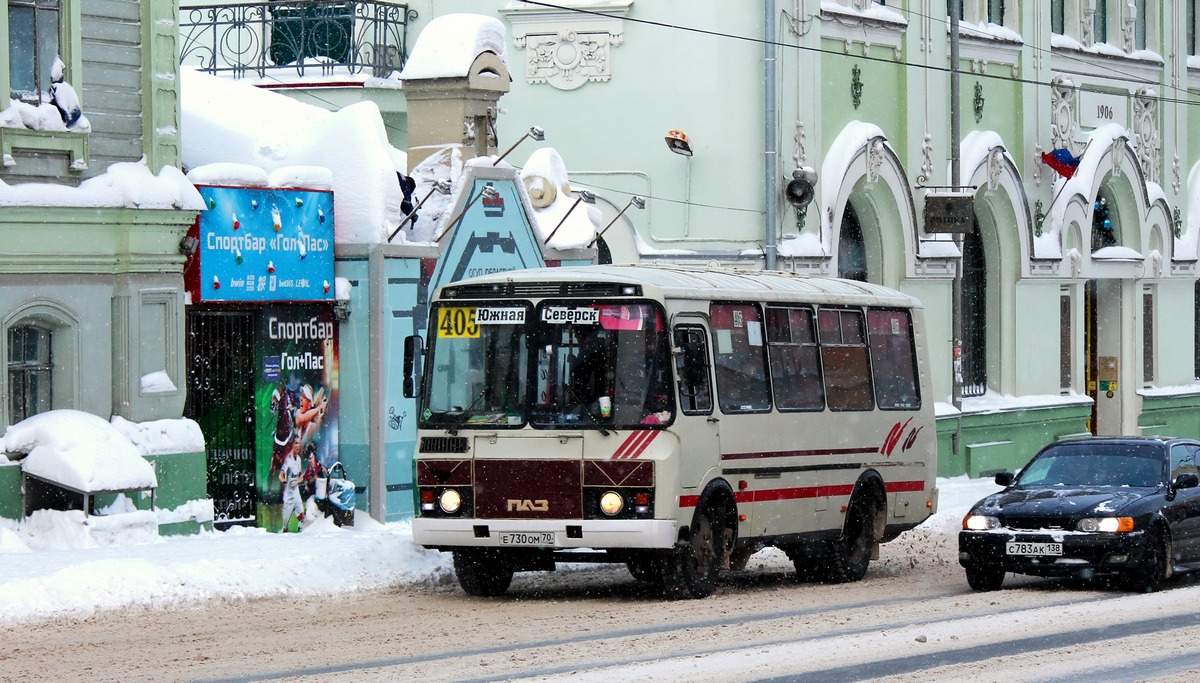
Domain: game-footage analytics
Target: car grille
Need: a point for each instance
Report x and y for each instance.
(1038, 523)
(444, 444)
(528, 489)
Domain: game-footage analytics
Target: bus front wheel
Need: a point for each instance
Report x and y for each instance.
(482, 573)
(691, 572)
(847, 557)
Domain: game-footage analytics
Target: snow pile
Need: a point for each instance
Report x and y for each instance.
(78, 450)
(126, 184)
(158, 437)
(60, 112)
(244, 563)
(227, 124)
(555, 206)
(449, 45)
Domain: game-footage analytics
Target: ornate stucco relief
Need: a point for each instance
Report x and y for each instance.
(568, 49)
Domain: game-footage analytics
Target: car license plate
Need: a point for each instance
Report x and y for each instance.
(1018, 548)
(527, 538)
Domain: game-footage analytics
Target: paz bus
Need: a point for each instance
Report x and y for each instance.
(676, 419)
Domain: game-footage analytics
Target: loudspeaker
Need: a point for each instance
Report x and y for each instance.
(799, 192)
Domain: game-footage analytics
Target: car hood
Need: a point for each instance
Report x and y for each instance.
(1060, 502)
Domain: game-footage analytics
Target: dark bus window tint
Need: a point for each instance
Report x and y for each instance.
(795, 361)
(691, 365)
(740, 352)
(844, 360)
(892, 360)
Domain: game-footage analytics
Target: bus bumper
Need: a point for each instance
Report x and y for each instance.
(566, 533)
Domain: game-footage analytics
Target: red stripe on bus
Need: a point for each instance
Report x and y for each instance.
(645, 443)
(768, 495)
(789, 454)
(633, 446)
(900, 486)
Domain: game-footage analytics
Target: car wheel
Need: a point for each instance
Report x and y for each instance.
(847, 557)
(691, 572)
(482, 573)
(984, 578)
(1154, 570)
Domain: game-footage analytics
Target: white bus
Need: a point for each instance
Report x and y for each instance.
(673, 418)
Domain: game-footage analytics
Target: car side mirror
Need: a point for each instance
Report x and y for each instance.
(1004, 478)
(413, 349)
(1187, 480)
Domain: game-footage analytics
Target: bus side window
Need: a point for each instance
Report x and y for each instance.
(844, 359)
(691, 365)
(795, 360)
(893, 360)
(740, 357)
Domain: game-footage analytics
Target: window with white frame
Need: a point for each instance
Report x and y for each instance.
(1100, 22)
(995, 12)
(34, 30)
(30, 371)
(1191, 26)
(1140, 23)
(1058, 17)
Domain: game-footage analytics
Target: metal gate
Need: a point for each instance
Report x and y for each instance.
(220, 399)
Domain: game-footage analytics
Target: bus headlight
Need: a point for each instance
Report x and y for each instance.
(450, 501)
(611, 503)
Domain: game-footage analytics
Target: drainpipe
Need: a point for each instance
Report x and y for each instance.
(770, 128)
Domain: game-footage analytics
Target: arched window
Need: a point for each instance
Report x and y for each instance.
(974, 312)
(30, 371)
(852, 254)
(1104, 224)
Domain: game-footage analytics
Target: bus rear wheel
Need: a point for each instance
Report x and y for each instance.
(847, 557)
(691, 572)
(482, 573)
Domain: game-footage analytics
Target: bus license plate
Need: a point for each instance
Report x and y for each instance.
(527, 538)
(1033, 549)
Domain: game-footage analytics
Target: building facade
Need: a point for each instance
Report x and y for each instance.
(92, 211)
(1079, 300)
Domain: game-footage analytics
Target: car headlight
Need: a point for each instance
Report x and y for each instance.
(611, 503)
(1106, 524)
(980, 522)
(450, 501)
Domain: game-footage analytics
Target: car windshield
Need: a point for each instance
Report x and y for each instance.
(578, 365)
(1091, 464)
(601, 365)
(479, 367)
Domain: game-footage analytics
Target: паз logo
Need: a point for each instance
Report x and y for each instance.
(528, 505)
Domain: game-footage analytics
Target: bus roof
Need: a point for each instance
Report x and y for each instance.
(675, 281)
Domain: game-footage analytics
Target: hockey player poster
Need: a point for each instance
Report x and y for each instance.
(296, 402)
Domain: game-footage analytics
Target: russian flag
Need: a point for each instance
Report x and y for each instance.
(1061, 161)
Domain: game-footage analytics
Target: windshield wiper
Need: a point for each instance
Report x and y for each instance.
(464, 414)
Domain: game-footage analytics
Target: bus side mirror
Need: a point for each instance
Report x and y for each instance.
(413, 349)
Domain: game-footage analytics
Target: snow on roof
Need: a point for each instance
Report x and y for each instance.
(161, 436)
(78, 450)
(226, 122)
(449, 44)
(125, 184)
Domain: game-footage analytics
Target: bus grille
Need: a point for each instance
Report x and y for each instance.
(525, 290)
(444, 444)
(528, 489)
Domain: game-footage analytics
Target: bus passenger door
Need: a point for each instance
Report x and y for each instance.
(696, 425)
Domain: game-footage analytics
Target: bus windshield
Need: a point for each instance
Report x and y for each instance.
(565, 364)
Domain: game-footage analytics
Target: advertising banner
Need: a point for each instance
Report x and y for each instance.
(296, 399)
(264, 244)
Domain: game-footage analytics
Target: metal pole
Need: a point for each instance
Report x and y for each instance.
(770, 130)
(956, 293)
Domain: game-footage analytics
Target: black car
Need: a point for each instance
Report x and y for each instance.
(1124, 507)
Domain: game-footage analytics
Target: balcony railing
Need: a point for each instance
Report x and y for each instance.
(305, 38)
